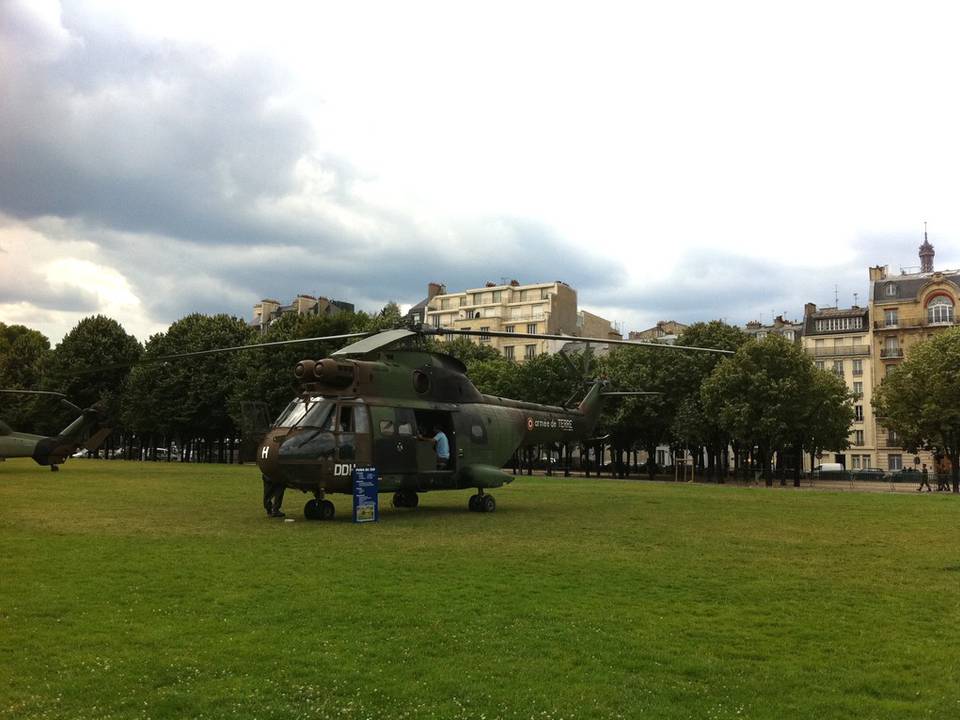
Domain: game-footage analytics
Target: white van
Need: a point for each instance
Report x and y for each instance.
(827, 469)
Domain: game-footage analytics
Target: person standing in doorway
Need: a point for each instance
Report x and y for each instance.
(441, 445)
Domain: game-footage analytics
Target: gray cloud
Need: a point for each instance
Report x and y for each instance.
(173, 162)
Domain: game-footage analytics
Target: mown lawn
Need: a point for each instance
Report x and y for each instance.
(140, 590)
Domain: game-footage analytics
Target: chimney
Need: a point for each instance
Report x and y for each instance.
(434, 289)
(489, 284)
(878, 272)
(514, 283)
(809, 309)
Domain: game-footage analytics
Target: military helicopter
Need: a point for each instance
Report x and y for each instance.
(87, 431)
(371, 403)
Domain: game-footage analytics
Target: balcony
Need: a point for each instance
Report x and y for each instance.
(888, 353)
(839, 350)
(912, 323)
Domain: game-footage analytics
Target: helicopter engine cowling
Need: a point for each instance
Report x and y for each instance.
(304, 370)
(329, 372)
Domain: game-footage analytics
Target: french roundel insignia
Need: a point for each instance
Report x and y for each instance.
(529, 423)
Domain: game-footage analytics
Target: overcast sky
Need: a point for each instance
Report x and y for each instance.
(671, 160)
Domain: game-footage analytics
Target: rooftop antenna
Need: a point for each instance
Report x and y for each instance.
(836, 296)
(856, 300)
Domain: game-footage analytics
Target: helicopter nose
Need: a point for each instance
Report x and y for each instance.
(268, 455)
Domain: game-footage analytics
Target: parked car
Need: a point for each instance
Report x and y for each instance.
(869, 473)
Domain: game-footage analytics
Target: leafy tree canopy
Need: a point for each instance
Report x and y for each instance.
(921, 399)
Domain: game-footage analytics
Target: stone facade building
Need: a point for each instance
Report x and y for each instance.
(540, 308)
(839, 340)
(266, 311)
(906, 309)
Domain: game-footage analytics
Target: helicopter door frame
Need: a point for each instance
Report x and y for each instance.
(443, 419)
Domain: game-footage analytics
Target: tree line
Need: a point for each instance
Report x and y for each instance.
(759, 409)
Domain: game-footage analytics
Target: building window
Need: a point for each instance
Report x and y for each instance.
(463, 300)
(819, 364)
(890, 290)
(485, 338)
(940, 311)
(858, 413)
(894, 462)
(839, 323)
(889, 370)
(445, 304)
(893, 438)
(511, 328)
(858, 367)
(544, 293)
(858, 437)
(496, 295)
(508, 352)
(530, 351)
(788, 334)
(838, 368)
(761, 335)
(890, 317)
(857, 389)
(531, 328)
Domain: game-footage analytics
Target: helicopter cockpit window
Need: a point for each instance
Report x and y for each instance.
(319, 415)
(405, 428)
(293, 413)
(361, 419)
(386, 427)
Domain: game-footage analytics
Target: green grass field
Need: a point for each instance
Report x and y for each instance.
(140, 590)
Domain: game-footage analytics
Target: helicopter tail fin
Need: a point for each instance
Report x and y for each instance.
(591, 404)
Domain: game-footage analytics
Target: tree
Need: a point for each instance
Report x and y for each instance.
(921, 399)
(693, 425)
(769, 397)
(188, 398)
(645, 420)
(95, 342)
(24, 354)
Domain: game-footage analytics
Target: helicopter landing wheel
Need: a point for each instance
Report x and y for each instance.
(54, 468)
(311, 511)
(327, 510)
(405, 498)
(488, 504)
(475, 503)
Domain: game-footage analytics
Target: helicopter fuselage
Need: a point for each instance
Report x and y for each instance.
(358, 416)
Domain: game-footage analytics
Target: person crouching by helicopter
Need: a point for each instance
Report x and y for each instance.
(273, 497)
(440, 444)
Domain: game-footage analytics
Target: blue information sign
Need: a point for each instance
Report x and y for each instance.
(366, 485)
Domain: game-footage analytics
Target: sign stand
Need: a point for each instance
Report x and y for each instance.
(366, 485)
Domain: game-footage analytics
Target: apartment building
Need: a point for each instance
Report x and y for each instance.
(839, 340)
(789, 330)
(906, 309)
(266, 311)
(540, 308)
(665, 331)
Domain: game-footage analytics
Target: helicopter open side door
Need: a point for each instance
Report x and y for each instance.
(394, 440)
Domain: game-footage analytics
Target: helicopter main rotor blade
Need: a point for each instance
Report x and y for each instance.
(632, 392)
(214, 351)
(567, 338)
(48, 393)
